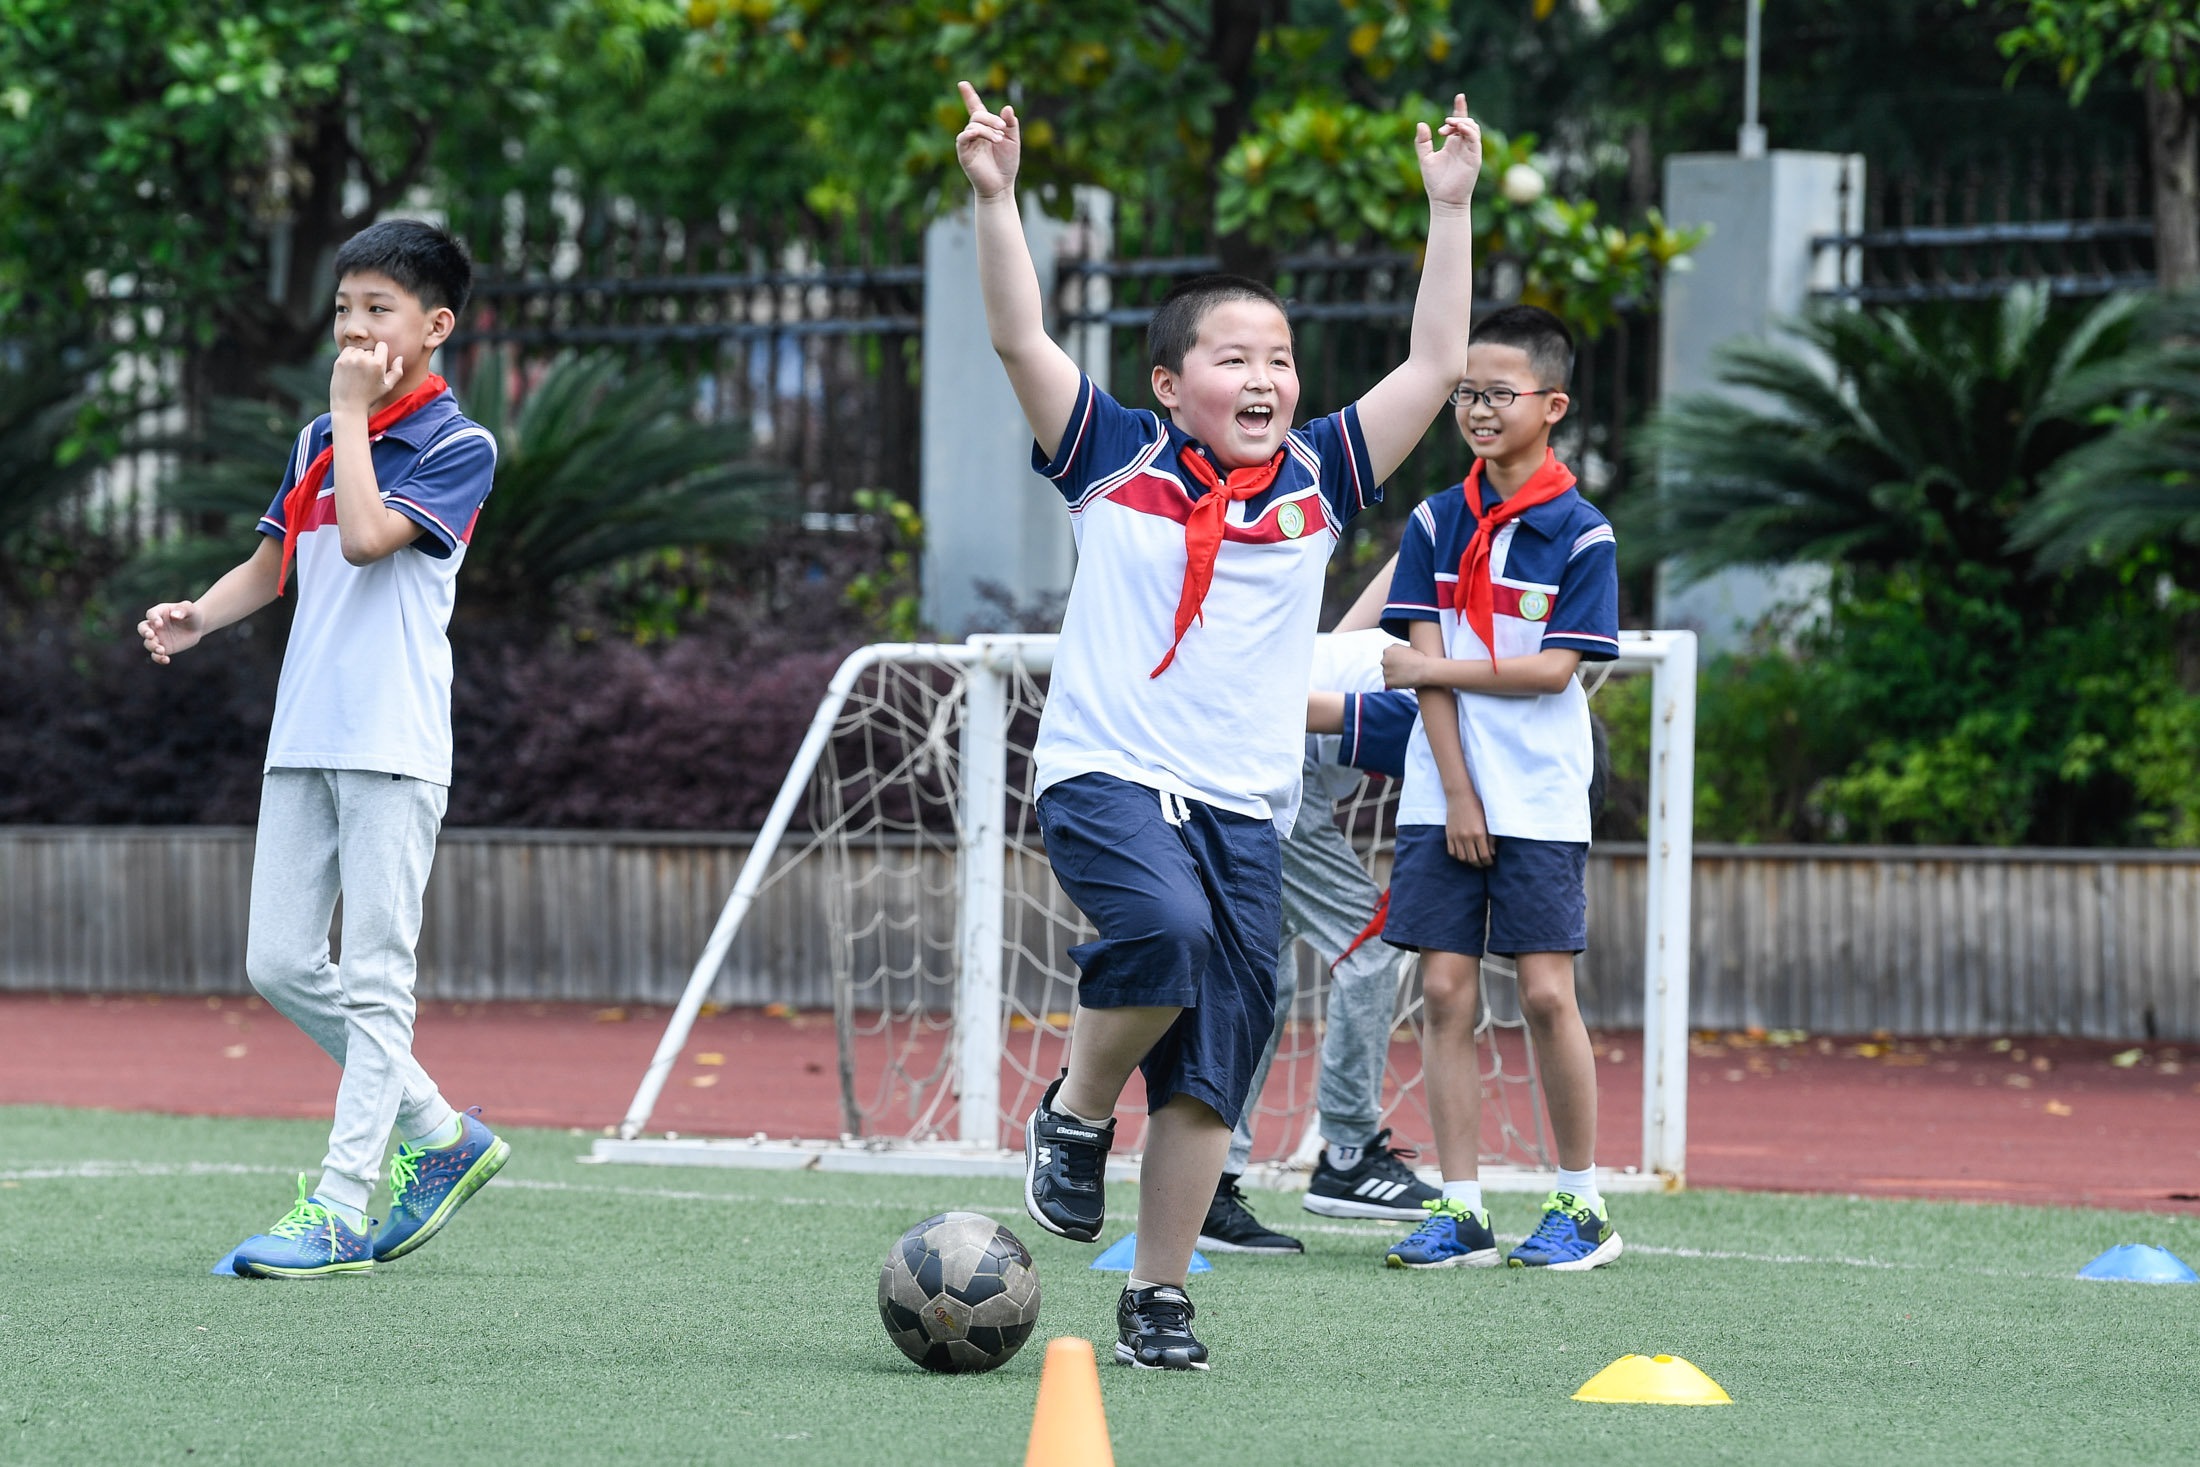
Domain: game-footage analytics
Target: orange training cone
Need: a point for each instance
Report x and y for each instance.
(1069, 1429)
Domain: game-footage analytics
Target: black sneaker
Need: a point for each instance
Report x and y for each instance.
(1231, 1227)
(1066, 1170)
(1153, 1330)
(1382, 1185)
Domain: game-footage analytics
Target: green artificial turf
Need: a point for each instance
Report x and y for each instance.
(589, 1314)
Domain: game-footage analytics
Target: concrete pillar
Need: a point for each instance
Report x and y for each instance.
(1756, 268)
(988, 518)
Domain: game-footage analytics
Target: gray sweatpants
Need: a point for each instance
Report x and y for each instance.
(1327, 900)
(372, 837)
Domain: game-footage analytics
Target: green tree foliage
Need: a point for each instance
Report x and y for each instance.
(201, 159)
(1958, 687)
(600, 463)
(51, 432)
(1878, 438)
(2136, 487)
(1329, 171)
(2157, 43)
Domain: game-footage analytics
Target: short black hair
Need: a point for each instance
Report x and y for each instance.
(1174, 330)
(1549, 345)
(426, 260)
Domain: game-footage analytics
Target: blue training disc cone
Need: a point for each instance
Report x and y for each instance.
(227, 1268)
(2139, 1263)
(1119, 1256)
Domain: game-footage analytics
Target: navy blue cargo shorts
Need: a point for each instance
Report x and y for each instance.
(1532, 899)
(1189, 903)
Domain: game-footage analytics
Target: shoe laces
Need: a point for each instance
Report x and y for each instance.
(1164, 1313)
(1390, 1161)
(1084, 1163)
(404, 1171)
(1441, 1210)
(305, 1218)
(1557, 1216)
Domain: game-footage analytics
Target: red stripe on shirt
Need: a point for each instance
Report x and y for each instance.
(1149, 494)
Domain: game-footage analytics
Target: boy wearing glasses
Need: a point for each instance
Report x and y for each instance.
(1504, 584)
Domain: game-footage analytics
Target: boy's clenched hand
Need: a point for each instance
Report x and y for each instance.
(1448, 172)
(1406, 667)
(170, 628)
(360, 377)
(989, 146)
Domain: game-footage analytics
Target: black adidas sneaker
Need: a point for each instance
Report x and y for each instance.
(1066, 1170)
(1231, 1227)
(1153, 1330)
(1382, 1185)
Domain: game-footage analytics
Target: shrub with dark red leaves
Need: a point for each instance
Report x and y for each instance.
(692, 736)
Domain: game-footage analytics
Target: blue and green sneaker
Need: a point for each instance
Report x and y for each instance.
(428, 1183)
(1572, 1238)
(1452, 1237)
(310, 1242)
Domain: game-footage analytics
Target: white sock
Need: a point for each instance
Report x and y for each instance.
(1344, 1158)
(354, 1218)
(1136, 1284)
(1069, 1115)
(442, 1135)
(1469, 1193)
(1582, 1184)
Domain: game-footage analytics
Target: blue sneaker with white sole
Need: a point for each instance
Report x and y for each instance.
(310, 1242)
(1452, 1237)
(428, 1184)
(1573, 1237)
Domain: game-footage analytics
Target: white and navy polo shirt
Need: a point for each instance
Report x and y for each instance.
(366, 678)
(1226, 723)
(1554, 578)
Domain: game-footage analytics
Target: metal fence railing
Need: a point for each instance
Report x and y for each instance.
(2080, 227)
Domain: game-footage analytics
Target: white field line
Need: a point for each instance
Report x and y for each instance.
(110, 1170)
(124, 1170)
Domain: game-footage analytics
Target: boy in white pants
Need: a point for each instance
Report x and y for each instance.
(376, 507)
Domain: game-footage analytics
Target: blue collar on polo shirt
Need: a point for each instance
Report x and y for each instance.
(417, 429)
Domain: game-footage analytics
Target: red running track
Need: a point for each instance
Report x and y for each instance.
(2053, 1121)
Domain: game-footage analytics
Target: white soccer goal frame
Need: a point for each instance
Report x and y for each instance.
(991, 662)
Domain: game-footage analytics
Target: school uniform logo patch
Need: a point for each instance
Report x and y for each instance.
(1292, 521)
(1534, 605)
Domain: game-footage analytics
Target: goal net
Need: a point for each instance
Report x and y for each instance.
(910, 811)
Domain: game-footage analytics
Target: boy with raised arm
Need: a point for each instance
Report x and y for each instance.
(376, 507)
(1504, 585)
(1168, 755)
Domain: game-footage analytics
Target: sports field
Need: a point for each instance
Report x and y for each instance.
(586, 1314)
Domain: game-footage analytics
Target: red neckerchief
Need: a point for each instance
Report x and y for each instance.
(1203, 533)
(299, 502)
(1476, 601)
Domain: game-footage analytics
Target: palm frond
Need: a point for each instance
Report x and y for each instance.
(1871, 437)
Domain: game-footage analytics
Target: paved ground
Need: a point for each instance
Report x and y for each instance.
(2019, 1120)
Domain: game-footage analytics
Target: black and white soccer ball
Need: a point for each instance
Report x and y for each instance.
(958, 1293)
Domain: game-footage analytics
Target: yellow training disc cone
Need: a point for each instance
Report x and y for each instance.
(1069, 1429)
(1663, 1380)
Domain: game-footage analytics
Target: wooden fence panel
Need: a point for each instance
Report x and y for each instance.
(1828, 939)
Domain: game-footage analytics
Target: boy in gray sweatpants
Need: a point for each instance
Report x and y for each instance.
(377, 505)
(1331, 903)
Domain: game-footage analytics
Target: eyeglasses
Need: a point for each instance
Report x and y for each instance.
(1499, 398)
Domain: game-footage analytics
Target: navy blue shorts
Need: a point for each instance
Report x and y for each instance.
(1189, 903)
(1533, 899)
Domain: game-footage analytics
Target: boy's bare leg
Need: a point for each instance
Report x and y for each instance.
(1104, 1047)
(1185, 1146)
(1563, 1055)
(1450, 1005)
